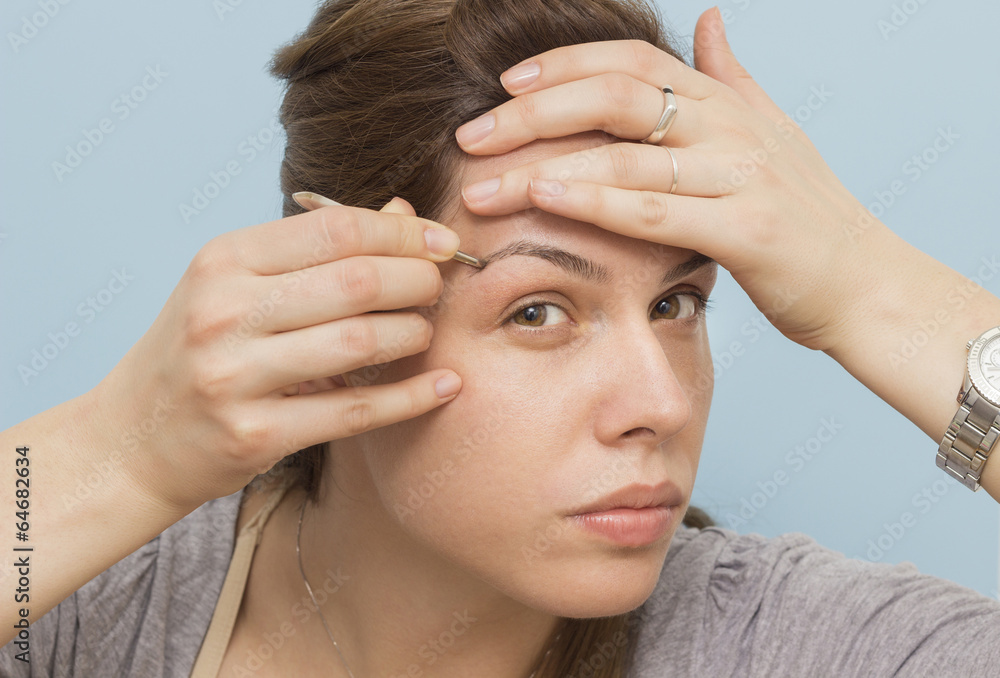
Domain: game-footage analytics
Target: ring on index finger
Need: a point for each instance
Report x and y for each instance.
(666, 119)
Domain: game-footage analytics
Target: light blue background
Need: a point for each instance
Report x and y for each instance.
(63, 239)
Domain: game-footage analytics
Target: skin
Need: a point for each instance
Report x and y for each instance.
(790, 229)
(231, 410)
(602, 397)
(755, 195)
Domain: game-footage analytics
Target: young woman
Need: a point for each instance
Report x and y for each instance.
(481, 469)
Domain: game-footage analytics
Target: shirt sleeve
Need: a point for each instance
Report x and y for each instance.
(146, 615)
(787, 606)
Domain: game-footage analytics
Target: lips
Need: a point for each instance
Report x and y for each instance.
(636, 496)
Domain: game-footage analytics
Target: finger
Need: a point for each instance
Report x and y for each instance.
(637, 58)
(399, 206)
(613, 102)
(676, 220)
(333, 348)
(344, 288)
(714, 57)
(634, 166)
(343, 412)
(328, 234)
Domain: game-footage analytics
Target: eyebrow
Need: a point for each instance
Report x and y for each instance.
(581, 266)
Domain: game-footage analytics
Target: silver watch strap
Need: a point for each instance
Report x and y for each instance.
(970, 438)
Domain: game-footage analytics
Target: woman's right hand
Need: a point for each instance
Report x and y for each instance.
(235, 372)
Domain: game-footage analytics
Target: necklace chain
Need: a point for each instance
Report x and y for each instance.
(298, 554)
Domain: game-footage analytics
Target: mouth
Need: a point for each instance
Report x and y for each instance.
(633, 516)
(636, 496)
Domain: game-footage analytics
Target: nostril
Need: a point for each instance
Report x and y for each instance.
(642, 430)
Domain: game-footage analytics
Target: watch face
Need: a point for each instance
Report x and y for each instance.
(989, 362)
(984, 366)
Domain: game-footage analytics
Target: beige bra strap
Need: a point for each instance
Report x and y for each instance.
(221, 627)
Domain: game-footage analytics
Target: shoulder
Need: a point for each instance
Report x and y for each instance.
(749, 605)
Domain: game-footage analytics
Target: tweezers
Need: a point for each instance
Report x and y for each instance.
(320, 200)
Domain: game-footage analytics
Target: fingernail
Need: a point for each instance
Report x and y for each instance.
(447, 385)
(482, 190)
(521, 76)
(546, 187)
(443, 241)
(473, 132)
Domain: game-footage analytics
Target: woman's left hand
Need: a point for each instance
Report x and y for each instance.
(754, 194)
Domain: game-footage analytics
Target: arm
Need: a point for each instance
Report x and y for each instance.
(198, 407)
(754, 194)
(84, 515)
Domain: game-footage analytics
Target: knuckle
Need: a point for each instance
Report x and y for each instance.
(644, 56)
(620, 90)
(212, 259)
(359, 416)
(527, 107)
(360, 280)
(214, 381)
(624, 162)
(358, 336)
(653, 209)
(205, 321)
(250, 434)
(344, 231)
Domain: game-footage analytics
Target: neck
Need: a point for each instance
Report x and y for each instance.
(395, 607)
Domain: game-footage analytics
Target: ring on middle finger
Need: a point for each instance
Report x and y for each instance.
(666, 119)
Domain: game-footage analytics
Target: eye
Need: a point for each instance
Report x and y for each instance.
(681, 305)
(535, 314)
(677, 306)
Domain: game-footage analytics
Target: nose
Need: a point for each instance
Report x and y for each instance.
(642, 400)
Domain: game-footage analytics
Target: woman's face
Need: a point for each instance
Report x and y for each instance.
(604, 381)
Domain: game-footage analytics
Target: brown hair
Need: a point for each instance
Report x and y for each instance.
(375, 92)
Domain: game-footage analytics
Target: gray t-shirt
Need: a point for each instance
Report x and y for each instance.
(726, 605)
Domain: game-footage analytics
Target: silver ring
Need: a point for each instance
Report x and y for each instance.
(673, 159)
(666, 120)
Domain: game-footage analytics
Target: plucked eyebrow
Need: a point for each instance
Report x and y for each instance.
(581, 266)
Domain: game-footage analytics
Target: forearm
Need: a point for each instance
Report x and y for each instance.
(84, 513)
(907, 340)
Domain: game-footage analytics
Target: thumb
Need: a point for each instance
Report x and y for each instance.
(714, 57)
(399, 206)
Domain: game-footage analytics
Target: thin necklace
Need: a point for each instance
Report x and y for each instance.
(298, 553)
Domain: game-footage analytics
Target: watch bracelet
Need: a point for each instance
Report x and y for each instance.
(970, 438)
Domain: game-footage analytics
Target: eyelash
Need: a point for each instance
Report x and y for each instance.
(705, 304)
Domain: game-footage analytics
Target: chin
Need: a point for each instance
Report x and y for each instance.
(602, 584)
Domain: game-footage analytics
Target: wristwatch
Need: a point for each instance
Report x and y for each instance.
(973, 432)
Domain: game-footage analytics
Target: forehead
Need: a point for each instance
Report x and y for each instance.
(482, 235)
